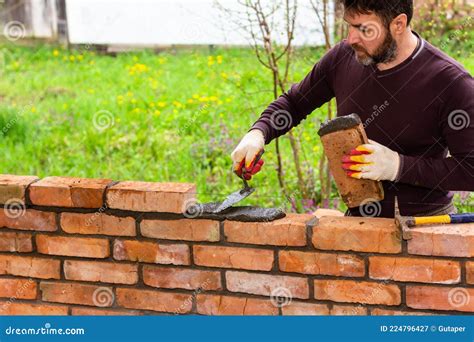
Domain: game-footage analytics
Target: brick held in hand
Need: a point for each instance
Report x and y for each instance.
(339, 137)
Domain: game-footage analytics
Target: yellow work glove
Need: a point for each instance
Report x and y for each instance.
(372, 161)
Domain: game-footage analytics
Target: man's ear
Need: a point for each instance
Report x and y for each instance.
(399, 24)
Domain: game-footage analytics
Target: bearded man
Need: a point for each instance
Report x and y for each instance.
(416, 104)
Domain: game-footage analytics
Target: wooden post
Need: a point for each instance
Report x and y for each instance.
(63, 36)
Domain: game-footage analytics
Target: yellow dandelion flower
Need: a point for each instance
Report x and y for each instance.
(33, 109)
(72, 58)
(210, 60)
(133, 100)
(92, 62)
(129, 94)
(161, 104)
(80, 57)
(157, 112)
(178, 104)
(55, 53)
(219, 59)
(190, 101)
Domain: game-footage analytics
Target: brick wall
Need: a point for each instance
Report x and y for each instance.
(71, 246)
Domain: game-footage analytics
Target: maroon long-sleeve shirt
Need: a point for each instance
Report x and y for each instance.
(420, 108)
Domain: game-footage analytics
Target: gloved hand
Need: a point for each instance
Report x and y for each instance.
(372, 161)
(246, 156)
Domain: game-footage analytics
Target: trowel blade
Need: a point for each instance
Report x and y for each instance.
(234, 198)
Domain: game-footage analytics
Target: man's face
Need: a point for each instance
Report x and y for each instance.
(371, 40)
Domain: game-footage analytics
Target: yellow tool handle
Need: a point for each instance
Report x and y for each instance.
(441, 219)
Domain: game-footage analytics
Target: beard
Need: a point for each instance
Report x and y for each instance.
(386, 52)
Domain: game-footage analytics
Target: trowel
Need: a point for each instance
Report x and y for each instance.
(239, 195)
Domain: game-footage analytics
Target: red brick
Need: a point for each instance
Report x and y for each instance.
(12, 188)
(15, 242)
(322, 263)
(357, 292)
(455, 240)
(73, 246)
(30, 309)
(26, 266)
(183, 229)
(73, 293)
(383, 312)
(28, 219)
(348, 310)
(105, 272)
(470, 272)
(18, 288)
(304, 309)
(182, 278)
(175, 254)
(378, 235)
(288, 231)
(154, 300)
(233, 257)
(267, 285)
(415, 269)
(440, 298)
(85, 311)
(228, 305)
(151, 197)
(69, 192)
(98, 223)
(327, 212)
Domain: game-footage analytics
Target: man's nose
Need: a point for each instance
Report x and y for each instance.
(353, 37)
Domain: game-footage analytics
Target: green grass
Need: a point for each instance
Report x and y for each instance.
(144, 116)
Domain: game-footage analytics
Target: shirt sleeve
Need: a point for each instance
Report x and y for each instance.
(456, 120)
(300, 100)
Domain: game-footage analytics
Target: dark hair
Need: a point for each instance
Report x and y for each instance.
(385, 9)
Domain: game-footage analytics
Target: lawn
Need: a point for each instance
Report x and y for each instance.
(172, 116)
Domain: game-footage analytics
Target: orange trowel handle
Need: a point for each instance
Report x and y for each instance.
(255, 167)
